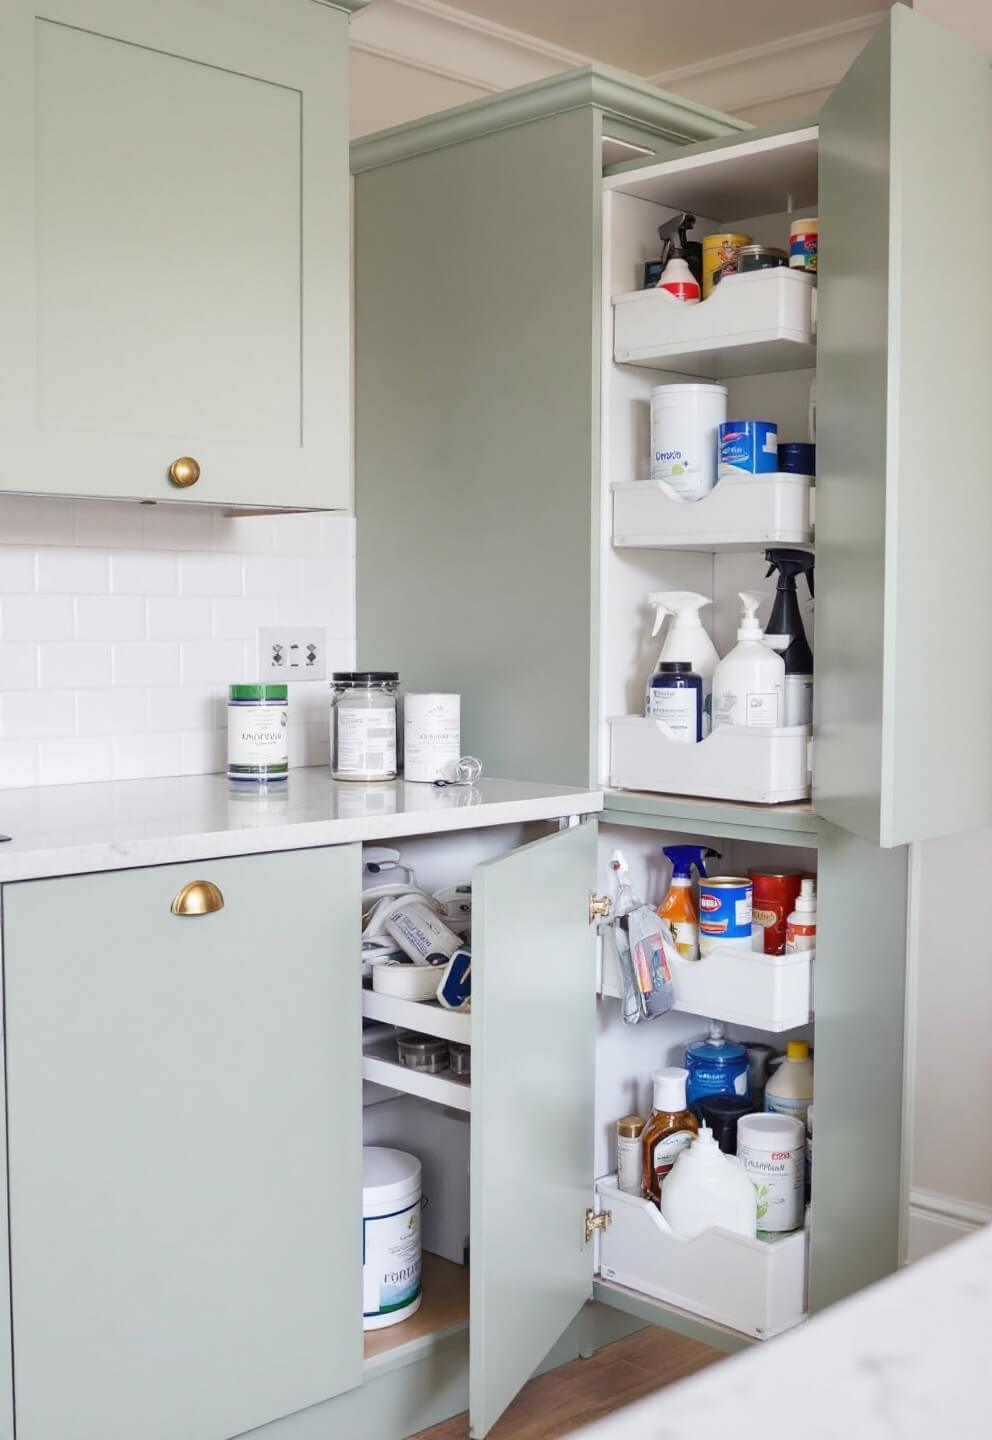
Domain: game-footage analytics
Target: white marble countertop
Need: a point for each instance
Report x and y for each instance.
(72, 829)
(902, 1360)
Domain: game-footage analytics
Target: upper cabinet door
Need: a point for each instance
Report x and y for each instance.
(533, 1066)
(184, 1145)
(174, 251)
(904, 504)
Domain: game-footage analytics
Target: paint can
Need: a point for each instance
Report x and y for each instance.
(773, 900)
(685, 423)
(725, 913)
(720, 257)
(748, 447)
(804, 239)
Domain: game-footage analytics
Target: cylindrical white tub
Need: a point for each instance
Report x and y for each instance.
(391, 1256)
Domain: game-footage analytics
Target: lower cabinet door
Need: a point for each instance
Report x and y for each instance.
(533, 1093)
(184, 1101)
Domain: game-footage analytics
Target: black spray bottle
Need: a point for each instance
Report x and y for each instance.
(786, 619)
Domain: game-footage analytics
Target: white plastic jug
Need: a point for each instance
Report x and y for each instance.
(706, 1188)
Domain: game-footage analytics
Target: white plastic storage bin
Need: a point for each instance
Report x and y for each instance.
(752, 323)
(735, 762)
(743, 510)
(766, 992)
(757, 1287)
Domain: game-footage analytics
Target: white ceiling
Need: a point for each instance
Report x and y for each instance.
(653, 37)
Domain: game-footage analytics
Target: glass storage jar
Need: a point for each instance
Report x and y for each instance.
(363, 724)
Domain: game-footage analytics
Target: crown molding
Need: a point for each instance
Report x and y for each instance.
(783, 69)
(442, 40)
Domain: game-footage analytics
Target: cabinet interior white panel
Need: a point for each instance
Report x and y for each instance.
(440, 1140)
(626, 1055)
(134, 149)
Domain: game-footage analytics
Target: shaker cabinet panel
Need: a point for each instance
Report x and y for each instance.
(177, 261)
(184, 1112)
(903, 513)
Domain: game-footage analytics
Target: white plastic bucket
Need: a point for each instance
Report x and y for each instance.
(685, 425)
(391, 1253)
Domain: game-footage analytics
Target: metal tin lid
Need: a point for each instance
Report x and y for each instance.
(630, 1126)
(257, 692)
(762, 250)
(365, 677)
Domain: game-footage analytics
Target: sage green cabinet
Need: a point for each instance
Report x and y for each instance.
(184, 1147)
(489, 332)
(174, 261)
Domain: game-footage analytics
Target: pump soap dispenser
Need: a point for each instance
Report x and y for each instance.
(749, 682)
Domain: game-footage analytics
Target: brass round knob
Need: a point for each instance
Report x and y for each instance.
(184, 471)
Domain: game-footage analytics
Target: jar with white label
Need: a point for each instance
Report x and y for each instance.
(257, 733)
(363, 724)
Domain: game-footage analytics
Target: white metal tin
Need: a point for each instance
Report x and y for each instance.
(431, 736)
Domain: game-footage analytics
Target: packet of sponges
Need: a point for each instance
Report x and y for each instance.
(645, 974)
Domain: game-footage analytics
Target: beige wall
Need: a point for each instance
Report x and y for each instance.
(384, 92)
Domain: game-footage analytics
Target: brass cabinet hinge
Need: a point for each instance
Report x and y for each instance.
(595, 1222)
(599, 908)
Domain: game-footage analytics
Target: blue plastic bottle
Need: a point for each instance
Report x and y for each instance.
(716, 1066)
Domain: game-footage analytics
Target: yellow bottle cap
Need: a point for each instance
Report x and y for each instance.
(797, 1050)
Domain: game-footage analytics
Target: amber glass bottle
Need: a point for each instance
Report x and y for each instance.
(669, 1130)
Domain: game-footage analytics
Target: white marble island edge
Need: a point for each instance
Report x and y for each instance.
(120, 825)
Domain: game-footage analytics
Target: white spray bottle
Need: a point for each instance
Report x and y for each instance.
(749, 682)
(686, 639)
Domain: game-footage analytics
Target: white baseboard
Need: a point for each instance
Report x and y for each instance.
(938, 1220)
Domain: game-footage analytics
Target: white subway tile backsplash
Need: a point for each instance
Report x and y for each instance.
(18, 666)
(273, 575)
(142, 573)
(66, 666)
(219, 661)
(17, 570)
(121, 627)
(210, 575)
(33, 714)
(37, 617)
(111, 712)
(139, 756)
(179, 617)
(72, 572)
(110, 617)
(147, 662)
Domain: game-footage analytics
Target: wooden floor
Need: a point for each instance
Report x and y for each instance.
(574, 1395)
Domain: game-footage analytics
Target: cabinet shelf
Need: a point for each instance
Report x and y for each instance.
(795, 824)
(427, 1016)
(379, 1064)
(772, 993)
(444, 1310)
(751, 324)
(743, 512)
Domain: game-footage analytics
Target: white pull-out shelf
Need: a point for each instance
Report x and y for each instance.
(736, 762)
(380, 1065)
(751, 324)
(743, 512)
(427, 1016)
(757, 1287)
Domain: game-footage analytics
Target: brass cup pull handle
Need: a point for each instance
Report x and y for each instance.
(184, 472)
(199, 897)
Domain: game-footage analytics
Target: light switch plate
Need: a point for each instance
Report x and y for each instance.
(292, 652)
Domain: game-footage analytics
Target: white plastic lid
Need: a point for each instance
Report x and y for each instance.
(388, 1174)
(669, 1089)
(771, 1131)
(661, 391)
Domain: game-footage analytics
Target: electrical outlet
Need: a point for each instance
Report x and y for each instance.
(292, 652)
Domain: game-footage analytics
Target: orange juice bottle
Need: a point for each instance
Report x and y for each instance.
(678, 909)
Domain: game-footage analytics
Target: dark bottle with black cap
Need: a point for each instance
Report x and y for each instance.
(675, 698)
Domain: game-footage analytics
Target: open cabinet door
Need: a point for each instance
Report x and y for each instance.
(903, 500)
(533, 1049)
